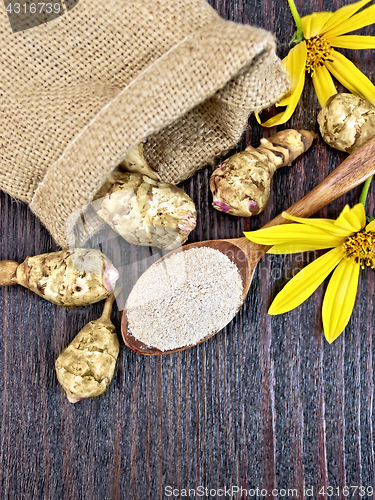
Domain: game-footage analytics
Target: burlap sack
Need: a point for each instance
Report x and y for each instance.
(80, 91)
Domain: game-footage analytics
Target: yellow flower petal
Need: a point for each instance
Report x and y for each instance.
(284, 116)
(371, 226)
(339, 299)
(293, 233)
(286, 98)
(298, 247)
(350, 76)
(304, 283)
(352, 219)
(353, 42)
(294, 64)
(342, 14)
(345, 210)
(313, 23)
(327, 225)
(360, 20)
(323, 84)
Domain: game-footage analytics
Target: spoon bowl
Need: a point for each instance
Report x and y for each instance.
(237, 250)
(354, 170)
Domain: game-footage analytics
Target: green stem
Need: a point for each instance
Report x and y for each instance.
(366, 185)
(296, 18)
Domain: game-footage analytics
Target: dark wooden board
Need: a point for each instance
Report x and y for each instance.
(267, 403)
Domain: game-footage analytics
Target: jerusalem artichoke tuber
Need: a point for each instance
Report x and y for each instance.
(144, 211)
(241, 184)
(136, 162)
(69, 278)
(346, 122)
(85, 368)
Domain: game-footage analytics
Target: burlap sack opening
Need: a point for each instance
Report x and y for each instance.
(82, 90)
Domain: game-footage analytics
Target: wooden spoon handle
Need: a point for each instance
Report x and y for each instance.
(354, 170)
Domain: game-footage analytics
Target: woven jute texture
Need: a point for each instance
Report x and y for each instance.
(80, 91)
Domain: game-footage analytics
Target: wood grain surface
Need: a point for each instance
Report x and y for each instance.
(265, 404)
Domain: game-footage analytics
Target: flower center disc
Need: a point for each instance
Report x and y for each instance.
(318, 52)
(361, 248)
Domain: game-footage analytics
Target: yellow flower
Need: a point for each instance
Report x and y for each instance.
(315, 55)
(353, 247)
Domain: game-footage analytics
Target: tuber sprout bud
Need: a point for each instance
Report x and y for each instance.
(136, 162)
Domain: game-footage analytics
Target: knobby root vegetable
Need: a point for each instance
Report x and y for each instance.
(346, 122)
(146, 212)
(136, 162)
(85, 368)
(241, 184)
(69, 278)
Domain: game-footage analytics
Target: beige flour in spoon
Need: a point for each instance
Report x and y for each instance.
(185, 298)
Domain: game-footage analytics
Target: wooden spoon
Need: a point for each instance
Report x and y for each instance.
(245, 254)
